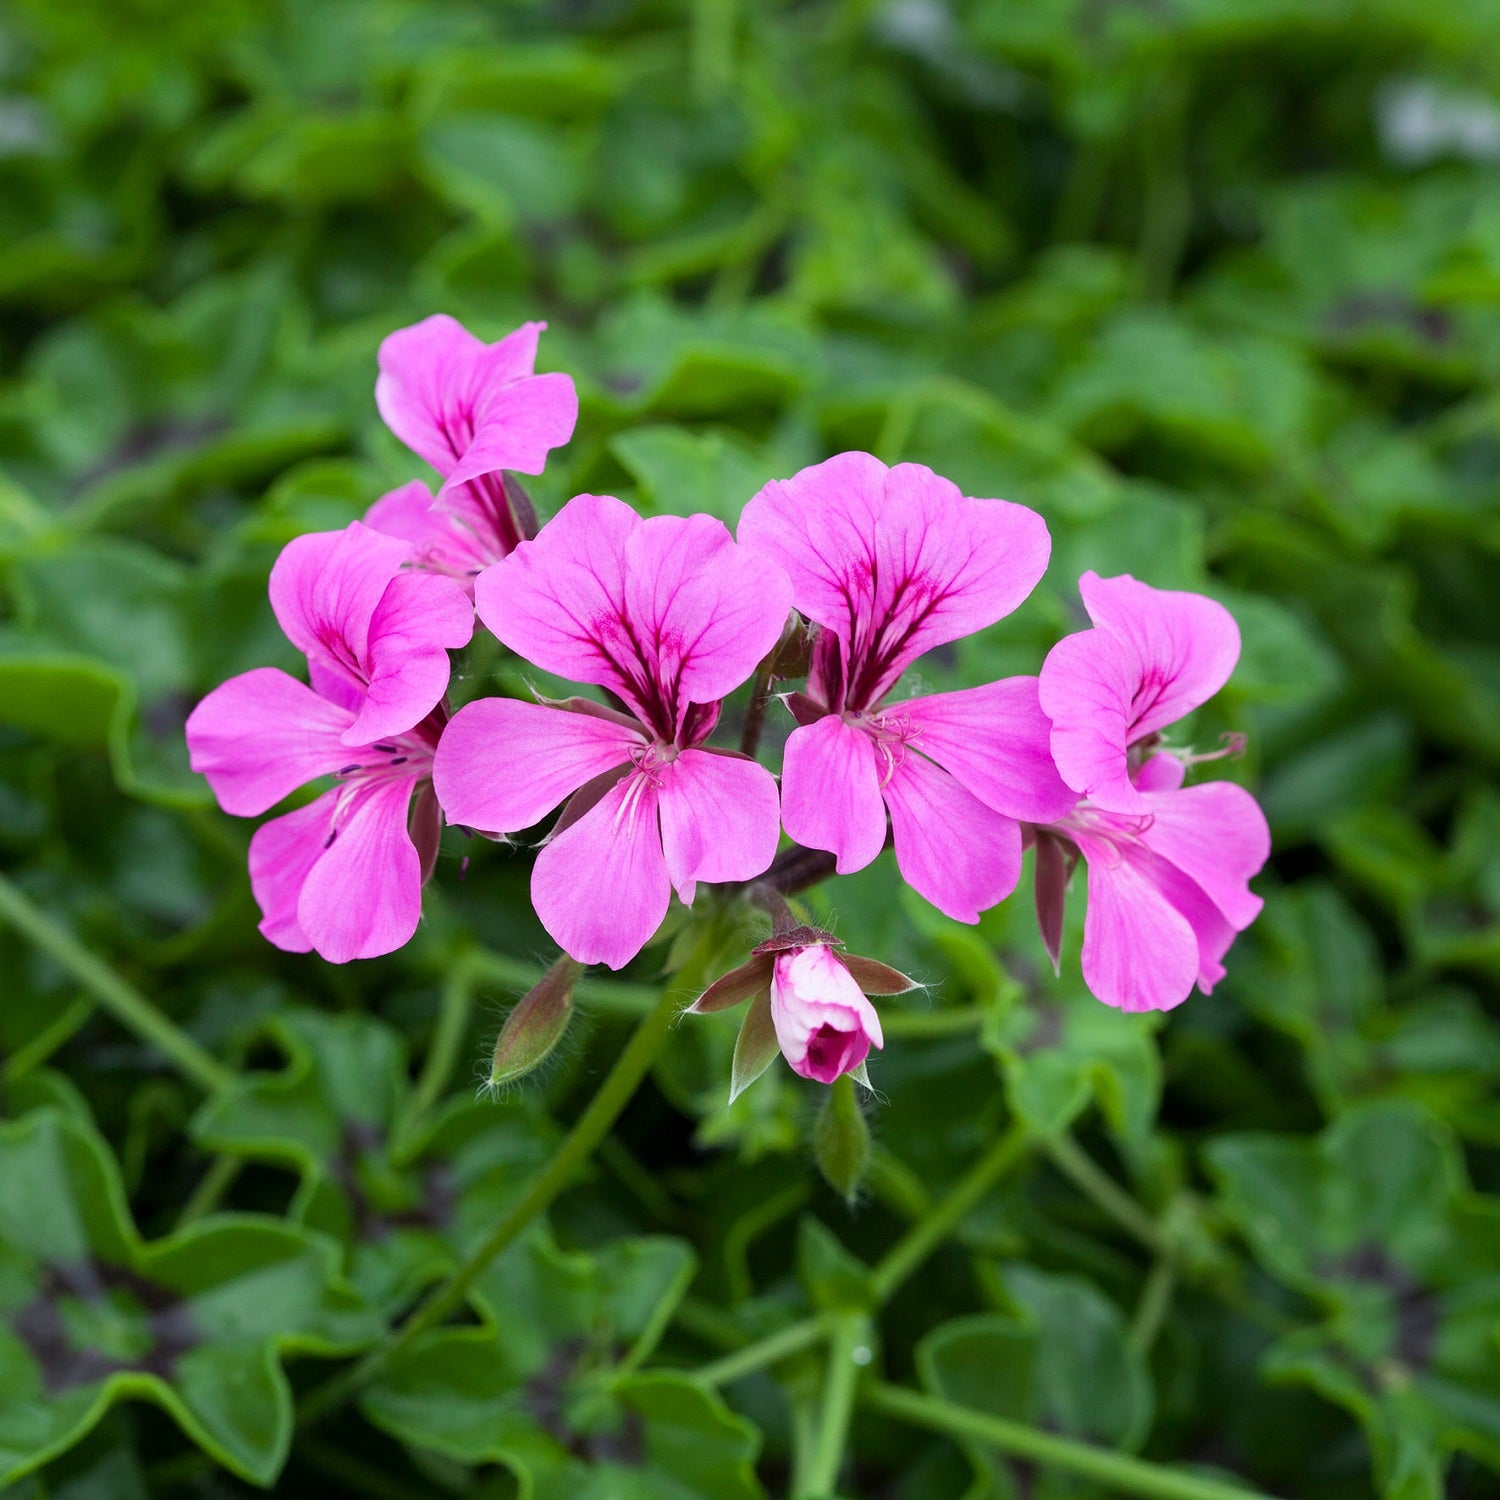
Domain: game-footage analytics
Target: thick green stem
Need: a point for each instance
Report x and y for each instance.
(1091, 1179)
(767, 1351)
(848, 1354)
(590, 1128)
(125, 1003)
(934, 1227)
(1119, 1474)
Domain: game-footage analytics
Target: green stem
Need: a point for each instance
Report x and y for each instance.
(56, 1034)
(125, 1003)
(591, 1127)
(804, 1436)
(934, 1227)
(1168, 205)
(712, 44)
(767, 1351)
(848, 1339)
(706, 1322)
(212, 1186)
(1094, 1182)
(1156, 1298)
(1119, 1474)
(925, 1023)
(442, 1053)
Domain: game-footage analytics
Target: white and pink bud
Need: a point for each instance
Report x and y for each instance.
(824, 1024)
(807, 1001)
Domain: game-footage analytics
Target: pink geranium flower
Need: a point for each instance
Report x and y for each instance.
(474, 411)
(342, 875)
(888, 563)
(669, 616)
(1153, 656)
(1169, 867)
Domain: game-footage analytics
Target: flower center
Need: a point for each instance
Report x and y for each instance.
(891, 732)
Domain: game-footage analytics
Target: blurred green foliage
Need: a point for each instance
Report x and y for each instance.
(1212, 284)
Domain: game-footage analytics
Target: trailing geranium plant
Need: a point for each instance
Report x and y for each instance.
(843, 575)
(841, 578)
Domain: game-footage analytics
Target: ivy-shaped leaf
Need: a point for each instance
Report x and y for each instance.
(1374, 1222)
(195, 1323)
(1060, 1360)
(553, 1395)
(1064, 1052)
(408, 1197)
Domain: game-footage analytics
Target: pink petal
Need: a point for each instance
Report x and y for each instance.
(962, 856)
(710, 609)
(1217, 836)
(994, 741)
(516, 426)
(662, 612)
(1139, 952)
(442, 540)
(425, 384)
(482, 516)
(403, 513)
(1213, 933)
(325, 588)
(1186, 645)
(281, 853)
(336, 688)
(1163, 772)
(420, 618)
(1086, 686)
(558, 600)
(894, 561)
(830, 792)
(260, 736)
(719, 819)
(363, 896)
(503, 765)
(601, 886)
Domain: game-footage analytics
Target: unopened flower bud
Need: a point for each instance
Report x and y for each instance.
(824, 1024)
(536, 1025)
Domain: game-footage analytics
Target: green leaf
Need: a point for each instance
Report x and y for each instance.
(1373, 1220)
(551, 1395)
(1060, 1361)
(407, 1208)
(1060, 1054)
(195, 1323)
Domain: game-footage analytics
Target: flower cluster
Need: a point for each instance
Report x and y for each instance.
(843, 575)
